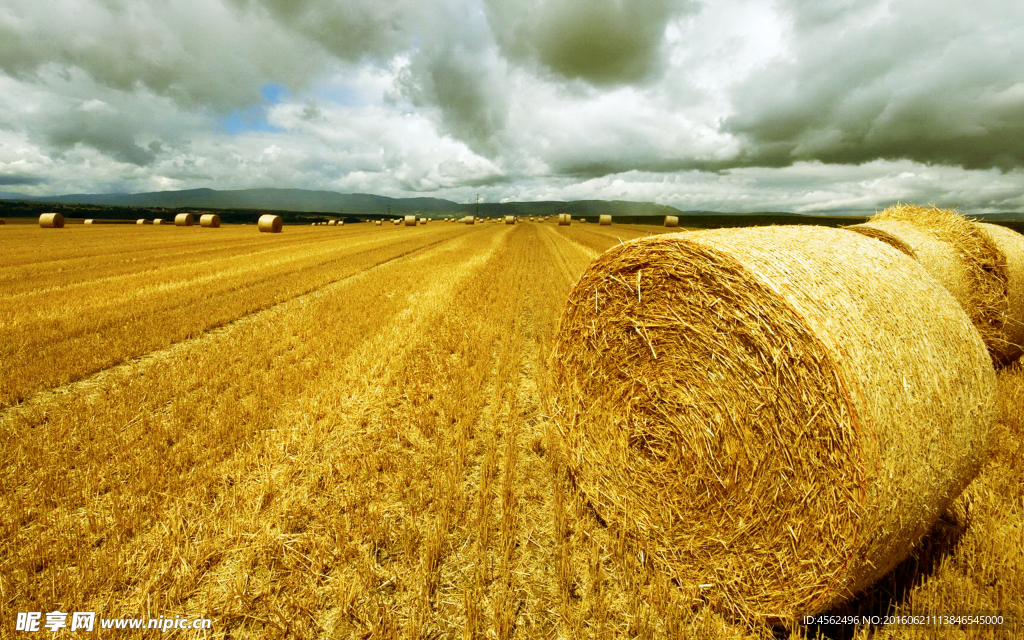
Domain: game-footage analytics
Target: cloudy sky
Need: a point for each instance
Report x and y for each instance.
(731, 105)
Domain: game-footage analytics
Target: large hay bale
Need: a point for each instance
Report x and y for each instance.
(140, 221)
(270, 223)
(51, 221)
(776, 414)
(1011, 244)
(469, 220)
(955, 252)
(671, 221)
(90, 221)
(564, 220)
(604, 220)
(209, 220)
(510, 219)
(410, 221)
(184, 220)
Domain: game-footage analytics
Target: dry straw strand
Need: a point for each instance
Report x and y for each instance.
(954, 251)
(1011, 244)
(778, 413)
(51, 221)
(209, 220)
(184, 220)
(270, 223)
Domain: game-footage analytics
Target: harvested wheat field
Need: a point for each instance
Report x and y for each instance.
(215, 425)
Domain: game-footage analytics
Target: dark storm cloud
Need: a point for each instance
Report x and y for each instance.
(603, 41)
(10, 180)
(937, 83)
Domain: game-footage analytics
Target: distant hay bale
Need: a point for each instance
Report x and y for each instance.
(671, 221)
(140, 221)
(955, 252)
(90, 221)
(270, 224)
(331, 223)
(51, 221)
(158, 221)
(604, 220)
(377, 222)
(410, 221)
(184, 220)
(423, 221)
(510, 219)
(1011, 244)
(777, 414)
(564, 220)
(469, 220)
(209, 220)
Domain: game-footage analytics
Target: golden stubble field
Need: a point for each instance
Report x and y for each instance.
(342, 432)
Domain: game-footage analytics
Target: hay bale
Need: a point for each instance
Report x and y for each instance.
(140, 221)
(90, 221)
(377, 223)
(1011, 244)
(158, 221)
(779, 413)
(209, 220)
(331, 223)
(469, 220)
(410, 221)
(423, 221)
(604, 220)
(51, 221)
(671, 221)
(564, 220)
(184, 220)
(269, 223)
(510, 219)
(955, 252)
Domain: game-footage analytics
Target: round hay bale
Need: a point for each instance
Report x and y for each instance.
(140, 221)
(269, 223)
(604, 220)
(410, 221)
(955, 252)
(1011, 244)
(209, 220)
(51, 221)
(89, 221)
(671, 221)
(158, 221)
(510, 219)
(778, 414)
(377, 222)
(564, 220)
(184, 220)
(331, 223)
(423, 221)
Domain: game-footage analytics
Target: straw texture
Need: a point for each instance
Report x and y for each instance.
(1011, 244)
(51, 221)
(270, 224)
(671, 221)
(777, 413)
(956, 253)
(209, 220)
(605, 220)
(184, 220)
